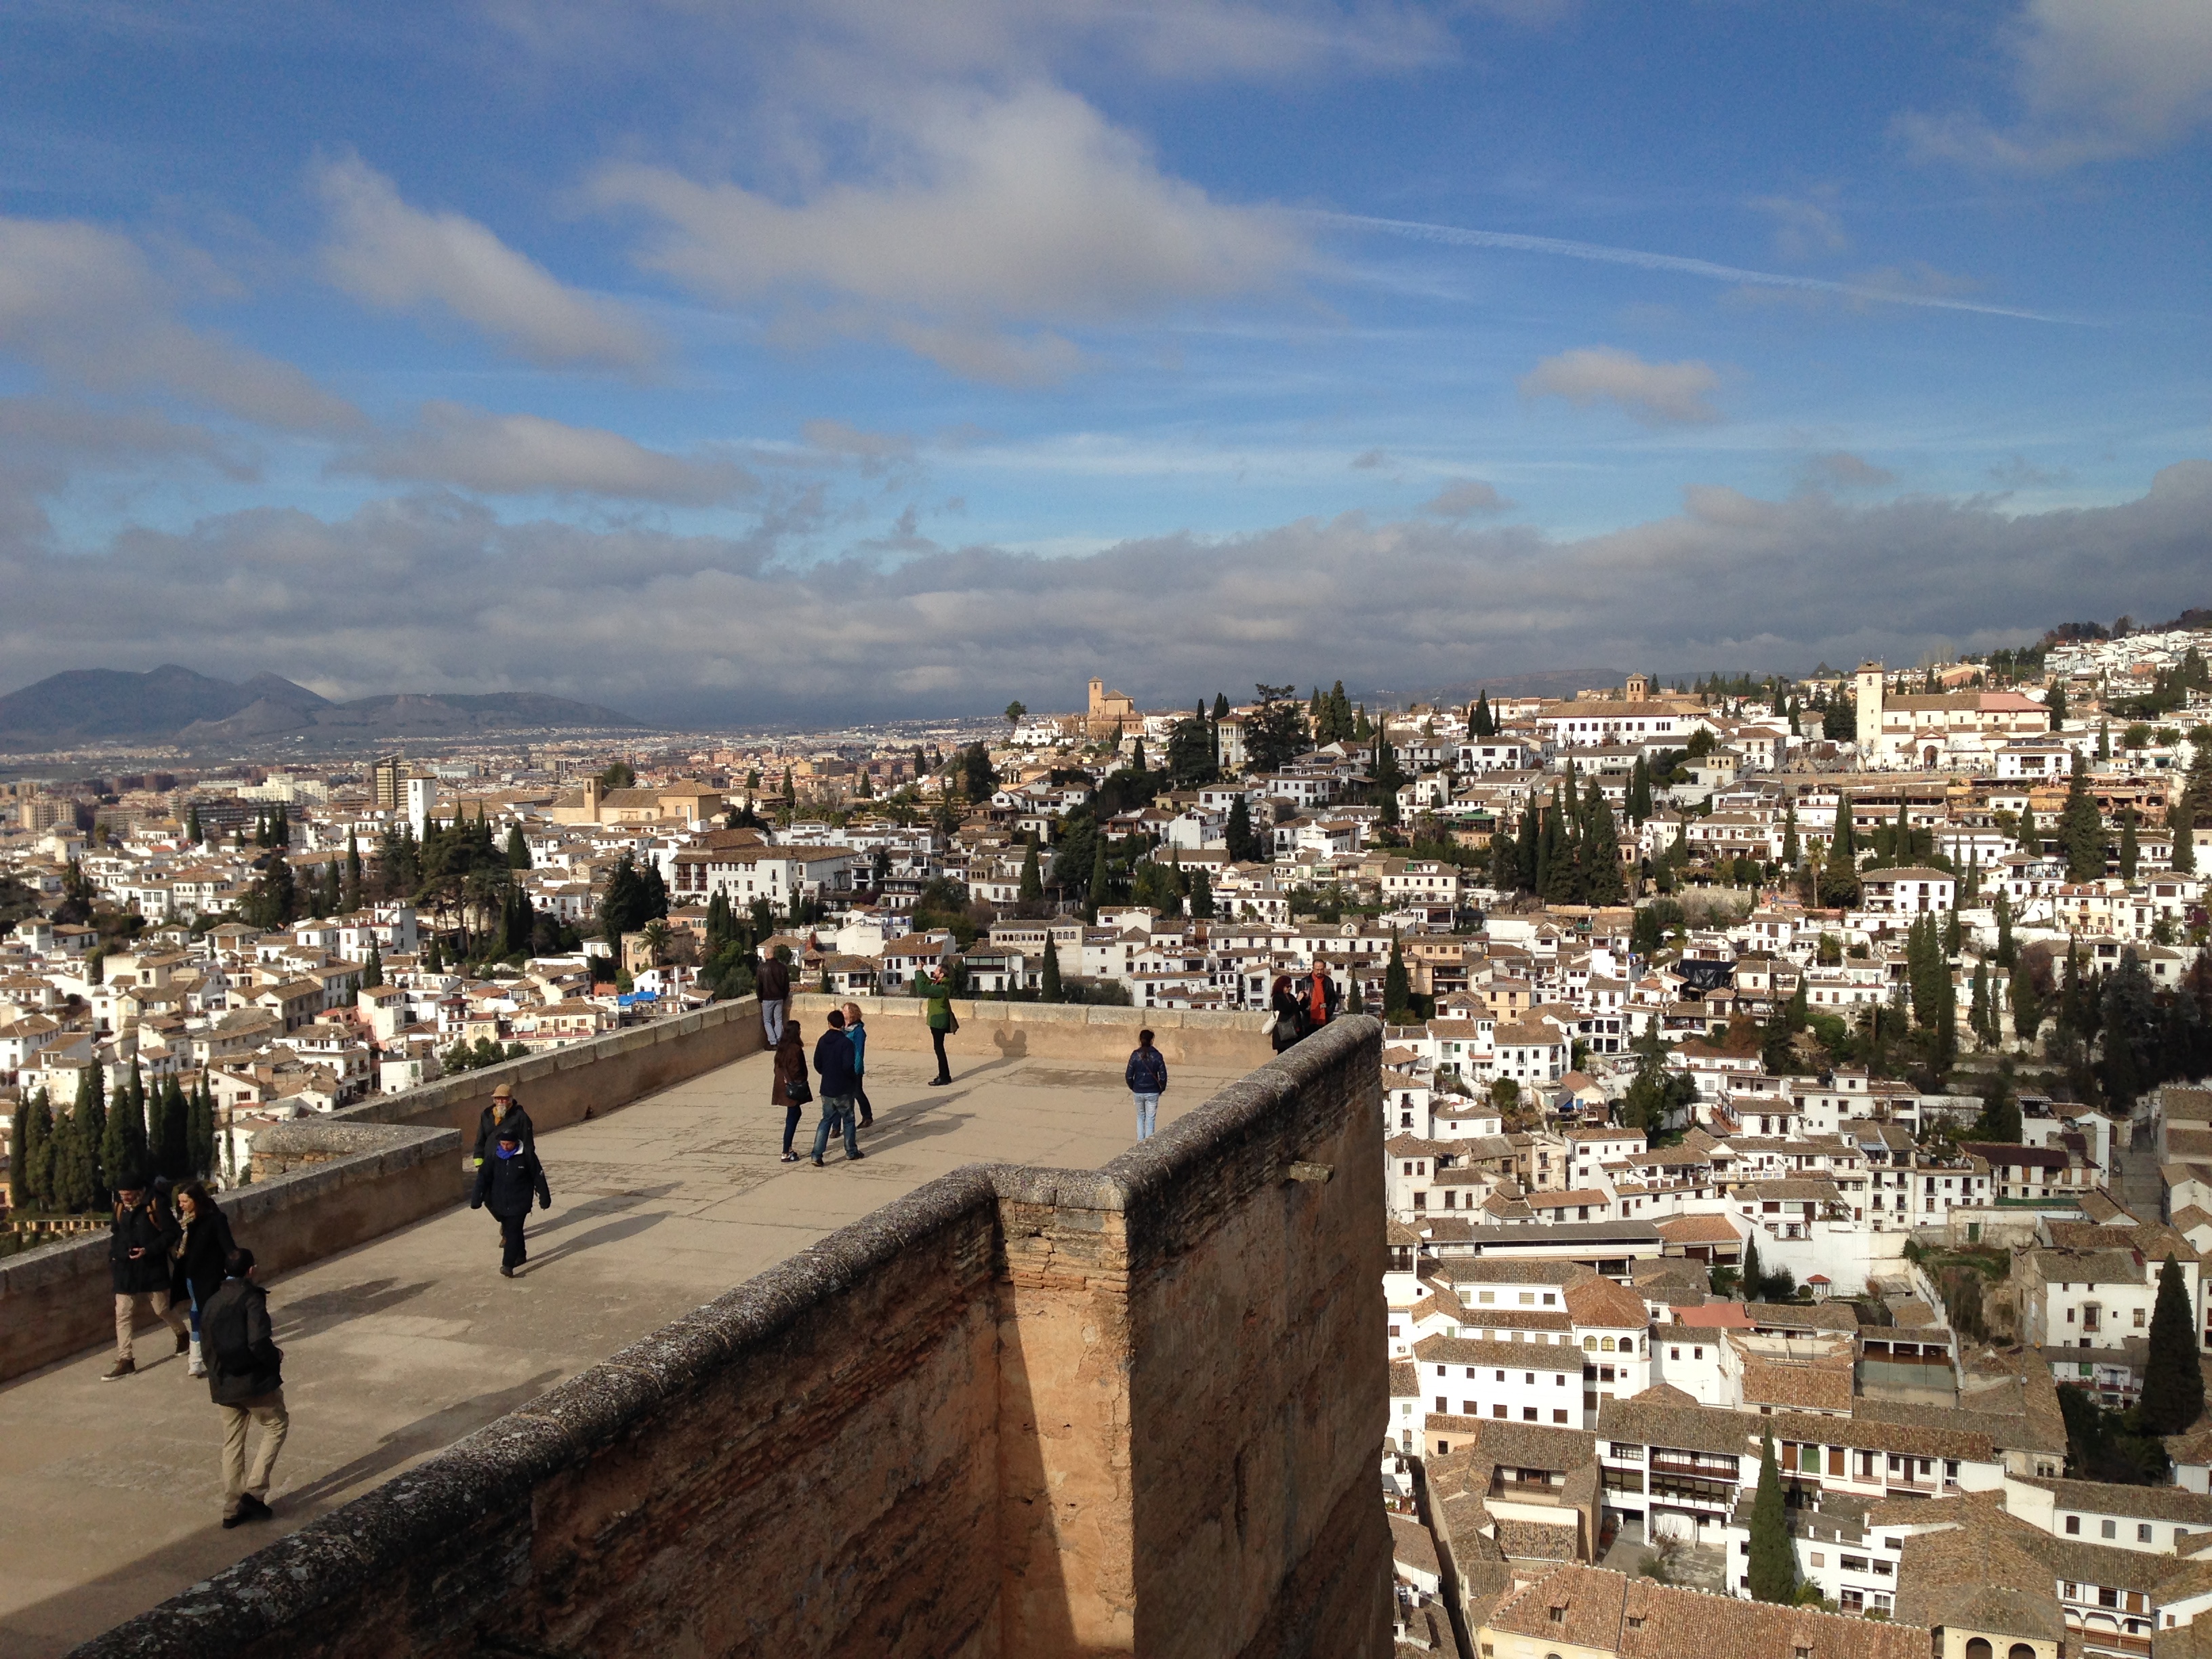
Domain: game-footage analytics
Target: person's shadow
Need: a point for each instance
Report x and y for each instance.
(425, 1434)
(628, 1226)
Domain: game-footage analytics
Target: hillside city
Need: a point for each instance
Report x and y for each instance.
(1799, 1150)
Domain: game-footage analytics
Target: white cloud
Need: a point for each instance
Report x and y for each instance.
(437, 593)
(396, 258)
(2095, 80)
(993, 221)
(527, 455)
(82, 304)
(839, 438)
(1655, 393)
(1464, 497)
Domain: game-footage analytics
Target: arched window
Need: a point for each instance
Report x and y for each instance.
(1979, 1648)
(1605, 1346)
(1628, 1345)
(2021, 1650)
(1589, 1345)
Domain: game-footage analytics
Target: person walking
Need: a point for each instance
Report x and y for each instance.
(1147, 1075)
(201, 1257)
(790, 1090)
(1290, 1019)
(942, 1023)
(833, 1064)
(504, 1110)
(139, 1237)
(772, 984)
(859, 1033)
(245, 1379)
(504, 1186)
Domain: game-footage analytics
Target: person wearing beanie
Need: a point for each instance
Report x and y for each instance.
(504, 1186)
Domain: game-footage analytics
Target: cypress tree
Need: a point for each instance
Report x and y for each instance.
(1529, 862)
(1242, 844)
(2184, 821)
(157, 1130)
(1845, 840)
(1096, 895)
(37, 1192)
(192, 826)
(1977, 1013)
(2129, 853)
(372, 971)
(19, 1160)
(1397, 986)
(1050, 989)
(174, 1155)
(1601, 855)
(2031, 837)
(200, 1134)
(2081, 830)
(1774, 1555)
(2005, 953)
(75, 1163)
(1950, 934)
(2027, 1004)
(1032, 886)
(1202, 895)
(2173, 1380)
(1790, 851)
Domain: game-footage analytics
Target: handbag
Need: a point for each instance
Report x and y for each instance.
(799, 1091)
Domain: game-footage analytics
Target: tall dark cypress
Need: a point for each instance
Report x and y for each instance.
(1773, 1557)
(2173, 1380)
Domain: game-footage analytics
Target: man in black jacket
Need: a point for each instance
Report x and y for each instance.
(841, 1081)
(772, 984)
(245, 1379)
(138, 1239)
(504, 1111)
(504, 1186)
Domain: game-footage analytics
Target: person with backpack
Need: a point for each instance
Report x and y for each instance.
(504, 1186)
(790, 1089)
(1146, 1074)
(139, 1237)
(201, 1257)
(246, 1380)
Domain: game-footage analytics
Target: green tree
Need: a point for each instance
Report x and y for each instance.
(123, 1149)
(2173, 1378)
(1602, 881)
(202, 1138)
(1190, 753)
(20, 1142)
(2000, 1115)
(1241, 844)
(617, 775)
(518, 849)
(2027, 1000)
(372, 971)
(74, 1182)
(2031, 837)
(2081, 830)
(979, 779)
(1015, 710)
(1049, 989)
(2005, 950)
(1032, 887)
(1202, 895)
(1790, 851)
(1397, 988)
(2054, 702)
(1481, 723)
(38, 1154)
(1099, 876)
(1275, 731)
(2129, 853)
(192, 826)
(1774, 1555)
(272, 901)
(1389, 776)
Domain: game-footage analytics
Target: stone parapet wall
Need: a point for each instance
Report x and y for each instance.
(1052, 1030)
(58, 1300)
(1023, 1413)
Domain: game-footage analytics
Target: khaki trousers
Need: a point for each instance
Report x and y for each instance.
(268, 1410)
(127, 1310)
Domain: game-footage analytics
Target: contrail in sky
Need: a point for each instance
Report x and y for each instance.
(1456, 236)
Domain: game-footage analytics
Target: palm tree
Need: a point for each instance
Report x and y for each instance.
(656, 940)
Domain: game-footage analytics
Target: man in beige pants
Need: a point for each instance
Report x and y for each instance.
(245, 1378)
(138, 1239)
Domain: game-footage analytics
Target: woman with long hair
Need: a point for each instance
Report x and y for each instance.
(1289, 1017)
(790, 1089)
(199, 1258)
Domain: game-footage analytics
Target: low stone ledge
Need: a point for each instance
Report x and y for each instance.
(341, 1185)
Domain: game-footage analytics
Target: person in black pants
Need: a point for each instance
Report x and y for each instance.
(504, 1186)
(789, 1088)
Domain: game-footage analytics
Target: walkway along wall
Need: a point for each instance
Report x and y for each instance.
(1018, 1413)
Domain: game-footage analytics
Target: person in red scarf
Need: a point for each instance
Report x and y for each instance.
(1318, 996)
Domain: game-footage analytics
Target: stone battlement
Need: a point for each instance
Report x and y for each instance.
(1017, 1412)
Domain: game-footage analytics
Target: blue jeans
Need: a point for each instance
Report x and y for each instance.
(1148, 1111)
(772, 1021)
(836, 1113)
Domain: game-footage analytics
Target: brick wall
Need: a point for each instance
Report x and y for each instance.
(1027, 1413)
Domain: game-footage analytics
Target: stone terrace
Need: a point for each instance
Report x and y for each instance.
(110, 1495)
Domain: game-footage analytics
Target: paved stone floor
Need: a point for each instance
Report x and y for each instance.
(110, 1494)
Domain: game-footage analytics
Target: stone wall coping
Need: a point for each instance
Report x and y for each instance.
(970, 1011)
(373, 1150)
(400, 1524)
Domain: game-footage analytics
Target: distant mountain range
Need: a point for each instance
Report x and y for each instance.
(174, 705)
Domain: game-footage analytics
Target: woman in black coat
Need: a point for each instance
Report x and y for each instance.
(1290, 1017)
(200, 1256)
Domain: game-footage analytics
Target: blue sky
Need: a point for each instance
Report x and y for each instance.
(732, 363)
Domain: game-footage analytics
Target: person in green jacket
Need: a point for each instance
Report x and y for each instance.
(941, 1023)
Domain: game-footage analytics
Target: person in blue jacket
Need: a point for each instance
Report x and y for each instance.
(834, 1061)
